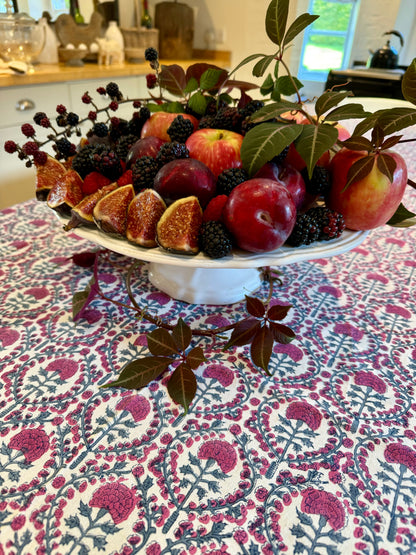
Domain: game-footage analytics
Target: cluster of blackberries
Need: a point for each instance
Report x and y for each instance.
(316, 224)
(214, 239)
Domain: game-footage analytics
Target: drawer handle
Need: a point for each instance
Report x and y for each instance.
(24, 105)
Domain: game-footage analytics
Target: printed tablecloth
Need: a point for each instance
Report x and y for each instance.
(318, 458)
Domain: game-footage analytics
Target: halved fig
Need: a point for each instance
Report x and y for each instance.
(178, 229)
(47, 175)
(144, 212)
(81, 214)
(65, 193)
(110, 212)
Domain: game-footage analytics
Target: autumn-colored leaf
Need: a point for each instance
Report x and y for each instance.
(173, 79)
(84, 259)
(386, 164)
(262, 347)
(139, 373)
(278, 311)
(182, 334)
(255, 307)
(82, 299)
(161, 343)
(182, 386)
(390, 142)
(243, 332)
(195, 357)
(359, 169)
(281, 333)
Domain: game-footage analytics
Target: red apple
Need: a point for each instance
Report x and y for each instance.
(159, 122)
(286, 175)
(219, 149)
(260, 214)
(183, 178)
(371, 201)
(148, 146)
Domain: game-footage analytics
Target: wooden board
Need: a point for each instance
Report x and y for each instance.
(175, 22)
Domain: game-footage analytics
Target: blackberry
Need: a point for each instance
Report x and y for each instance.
(214, 239)
(206, 122)
(123, 146)
(38, 117)
(151, 54)
(229, 179)
(64, 148)
(319, 183)
(113, 91)
(61, 120)
(72, 119)
(136, 123)
(100, 130)
(144, 172)
(228, 118)
(108, 164)
(281, 157)
(83, 162)
(180, 129)
(118, 128)
(171, 151)
(251, 107)
(213, 106)
(317, 224)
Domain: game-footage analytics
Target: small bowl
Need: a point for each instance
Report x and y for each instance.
(72, 56)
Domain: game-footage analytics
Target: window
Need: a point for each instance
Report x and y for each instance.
(327, 42)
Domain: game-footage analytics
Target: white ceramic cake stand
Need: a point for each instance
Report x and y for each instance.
(202, 280)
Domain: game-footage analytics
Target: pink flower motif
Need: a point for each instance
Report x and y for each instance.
(153, 549)
(348, 329)
(65, 366)
(221, 451)
(401, 454)
(290, 350)
(160, 298)
(217, 320)
(329, 290)
(117, 498)
(32, 442)
(398, 311)
(378, 277)
(221, 373)
(301, 410)
(18, 522)
(370, 380)
(37, 292)
(8, 336)
(318, 502)
(137, 405)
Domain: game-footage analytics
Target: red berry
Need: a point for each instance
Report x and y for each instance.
(28, 130)
(10, 147)
(214, 209)
(101, 90)
(113, 105)
(40, 158)
(137, 104)
(61, 109)
(151, 80)
(44, 122)
(92, 116)
(86, 99)
(30, 148)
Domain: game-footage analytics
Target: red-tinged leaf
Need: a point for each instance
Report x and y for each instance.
(84, 259)
(358, 143)
(386, 164)
(402, 217)
(278, 311)
(377, 136)
(161, 343)
(262, 347)
(255, 307)
(182, 386)
(281, 333)
(82, 299)
(182, 334)
(243, 86)
(173, 79)
(243, 333)
(409, 83)
(195, 357)
(390, 142)
(360, 169)
(139, 373)
(276, 20)
(314, 141)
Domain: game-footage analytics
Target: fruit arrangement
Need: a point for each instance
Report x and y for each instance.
(211, 172)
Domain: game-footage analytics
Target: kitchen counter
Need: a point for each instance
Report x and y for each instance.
(61, 73)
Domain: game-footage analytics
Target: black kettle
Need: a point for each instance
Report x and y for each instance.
(387, 57)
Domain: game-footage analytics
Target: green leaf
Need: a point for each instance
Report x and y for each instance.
(139, 373)
(328, 100)
(276, 20)
(182, 386)
(346, 111)
(272, 111)
(265, 141)
(243, 333)
(255, 307)
(267, 86)
(182, 334)
(358, 143)
(262, 347)
(278, 311)
(402, 217)
(358, 170)
(288, 86)
(396, 119)
(173, 79)
(246, 61)
(386, 164)
(161, 343)
(262, 65)
(282, 334)
(195, 357)
(196, 71)
(210, 77)
(300, 23)
(191, 86)
(198, 103)
(409, 83)
(314, 141)
(173, 107)
(367, 123)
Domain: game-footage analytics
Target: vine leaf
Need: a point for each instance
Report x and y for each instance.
(139, 373)
(182, 386)
(281, 333)
(286, 86)
(346, 111)
(262, 347)
(358, 143)
(278, 311)
(386, 164)
(395, 119)
(161, 343)
(314, 141)
(409, 83)
(210, 78)
(173, 79)
(329, 100)
(243, 333)
(182, 334)
(255, 307)
(300, 23)
(358, 170)
(276, 20)
(402, 217)
(82, 299)
(195, 357)
(261, 66)
(274, 110)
